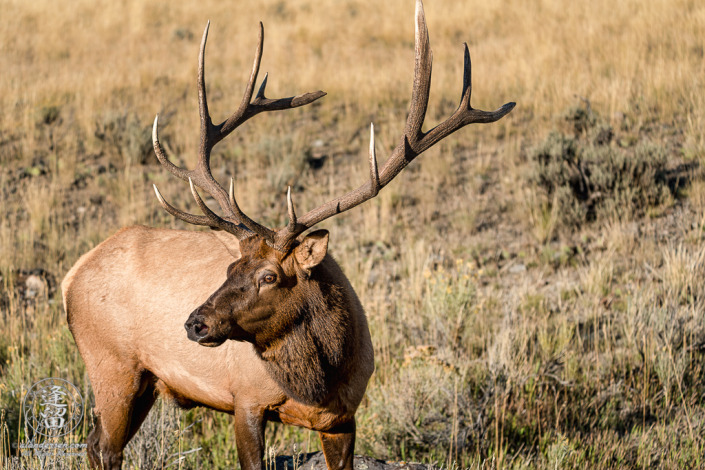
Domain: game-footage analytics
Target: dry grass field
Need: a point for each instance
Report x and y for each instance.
(535, 287)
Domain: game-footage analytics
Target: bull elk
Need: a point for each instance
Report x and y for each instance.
(300, 350)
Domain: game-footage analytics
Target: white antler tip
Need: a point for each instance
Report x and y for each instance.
(419, 10)
(195, 194)
(290, 203)
(205, 34)
(159, 195)
(372, 137)
(155, 133)
(290, 210)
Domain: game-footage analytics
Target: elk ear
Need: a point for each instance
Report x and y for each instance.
(312, 250)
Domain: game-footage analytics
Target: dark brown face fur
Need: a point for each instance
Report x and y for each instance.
(257, 302)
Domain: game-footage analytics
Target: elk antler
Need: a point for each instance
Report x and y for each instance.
(234, 220)
(412, 144)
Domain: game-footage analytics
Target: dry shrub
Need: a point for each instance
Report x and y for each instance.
(158, 443)
(123, 135)
(585, 175)
(666, 323)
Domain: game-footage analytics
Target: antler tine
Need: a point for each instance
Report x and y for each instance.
(206, 221)
(414, 140)
(477, 115)
(260, 92)
(423, 62)
(247, 97)
(291, 226)
(214, 219)
(253, 226)
(179, 214)
(374, 174)
(237, 117)
(467, 78)
(206, 123)
(159, 151)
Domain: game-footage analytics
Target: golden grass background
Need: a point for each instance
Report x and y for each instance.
(467, 347)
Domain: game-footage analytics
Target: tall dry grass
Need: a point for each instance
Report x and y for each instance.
(499, 340)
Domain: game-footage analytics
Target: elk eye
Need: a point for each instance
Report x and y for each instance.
(269, 278)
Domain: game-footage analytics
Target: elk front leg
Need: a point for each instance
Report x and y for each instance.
(249, 436)
(339, 446)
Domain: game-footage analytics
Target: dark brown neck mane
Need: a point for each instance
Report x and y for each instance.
(310, 358)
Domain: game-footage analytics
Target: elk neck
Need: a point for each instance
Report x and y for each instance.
(314, 351)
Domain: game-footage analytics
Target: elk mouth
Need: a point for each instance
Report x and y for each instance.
(211, 344)
(208, 341)
(201, 330)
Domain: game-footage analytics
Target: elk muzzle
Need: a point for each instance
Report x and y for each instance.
(198, 330)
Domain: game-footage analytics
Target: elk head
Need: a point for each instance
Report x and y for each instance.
(263, 293)
(277, 272)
